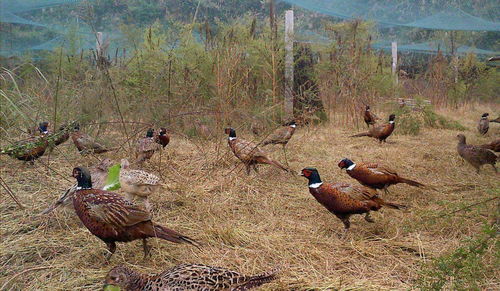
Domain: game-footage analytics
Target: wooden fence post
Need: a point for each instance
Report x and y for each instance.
(394, 46)
(289, 38)
(98, 44)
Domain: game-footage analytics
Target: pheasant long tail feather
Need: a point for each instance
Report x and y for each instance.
(173, 236)
(390, 204)
(411, 182)
(258, 280)
(107, 150)
(361, 134)
(56, 204)
(274, 163)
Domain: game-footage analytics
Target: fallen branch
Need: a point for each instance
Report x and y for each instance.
(11, 194)
(20, 273)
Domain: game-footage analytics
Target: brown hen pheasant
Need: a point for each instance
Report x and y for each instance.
(86, 144)
(344, 200)
(192, 277)
(474, 155)
(112, 218)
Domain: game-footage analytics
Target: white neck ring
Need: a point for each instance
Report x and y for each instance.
(315, 185)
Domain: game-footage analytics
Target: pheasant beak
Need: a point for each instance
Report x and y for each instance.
(301, 174)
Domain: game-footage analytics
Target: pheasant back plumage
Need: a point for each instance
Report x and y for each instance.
(110, 217)
(246, 151)
(373, 175)
(27, 150)
(339, 202)
(193, 277)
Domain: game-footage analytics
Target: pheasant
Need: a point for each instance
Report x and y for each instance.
(146, 147)
(138, 184)
(344, 200)
(369, 117)
(193, 277)
(257, 127)
(40, 129)
(494, 145)
(99, 174)
(474, 155)
(112, 218)
(202, 129)
(63, 134)
(28, 149)
(43, 127)
(374, 176)
(162, 138)
(281, 136)
(380, 132)
(86, 144)
(249, 153)
(484, 124)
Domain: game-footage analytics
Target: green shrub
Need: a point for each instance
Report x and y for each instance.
(408, 122)
(465, 268)
(411, 120)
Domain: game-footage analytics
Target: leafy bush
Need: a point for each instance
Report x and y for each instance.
(411, 120)
(466, 267)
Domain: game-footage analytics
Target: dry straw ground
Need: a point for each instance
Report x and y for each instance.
(253, 223)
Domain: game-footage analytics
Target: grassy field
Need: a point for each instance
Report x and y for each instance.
(254, 223)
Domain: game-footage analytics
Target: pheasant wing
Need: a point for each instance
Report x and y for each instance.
(112, 209)
(380, 169)
(138, 177)
(247, 150)
(356, 192)
(278, 135)
(147, 144)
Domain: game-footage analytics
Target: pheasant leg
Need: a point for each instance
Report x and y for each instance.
(146, 248)
(369, 218)
(112, 249)
(286, 159)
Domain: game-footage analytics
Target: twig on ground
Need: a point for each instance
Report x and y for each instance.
(11, 194)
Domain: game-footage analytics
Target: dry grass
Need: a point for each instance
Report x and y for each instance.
(252, 223)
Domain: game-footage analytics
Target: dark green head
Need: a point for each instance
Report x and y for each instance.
(43, 127)
(230, 131)
(345, 163)
(311, 174)
(83, 177)
(150, 132)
